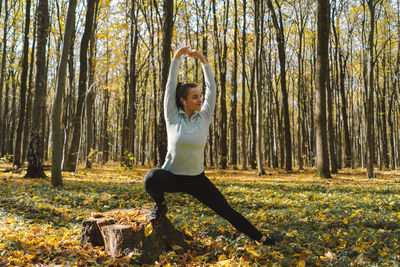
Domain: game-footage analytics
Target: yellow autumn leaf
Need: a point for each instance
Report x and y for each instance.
(105, 197)
(148, 230)
(301, 263)
(345, 221)
(176, 247)
(222, 258)
(326, 236)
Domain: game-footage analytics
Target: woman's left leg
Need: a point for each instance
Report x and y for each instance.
(206, 192)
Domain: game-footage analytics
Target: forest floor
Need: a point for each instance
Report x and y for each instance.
(346, 220)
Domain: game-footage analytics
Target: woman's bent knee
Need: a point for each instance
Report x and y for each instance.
(151, 177)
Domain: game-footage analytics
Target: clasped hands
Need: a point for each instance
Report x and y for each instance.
(186, 50)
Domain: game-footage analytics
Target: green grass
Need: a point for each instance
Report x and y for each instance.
(347, 220)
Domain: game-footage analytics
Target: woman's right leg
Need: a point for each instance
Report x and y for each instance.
(158, 181)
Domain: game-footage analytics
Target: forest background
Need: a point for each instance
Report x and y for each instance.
(110, 105)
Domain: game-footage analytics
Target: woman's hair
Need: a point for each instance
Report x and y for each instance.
(182, 91)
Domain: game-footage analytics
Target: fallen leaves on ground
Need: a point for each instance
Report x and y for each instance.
(347, 220)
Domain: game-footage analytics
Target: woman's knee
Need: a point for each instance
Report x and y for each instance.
(151, 177)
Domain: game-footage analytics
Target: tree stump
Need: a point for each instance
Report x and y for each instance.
(125, 231)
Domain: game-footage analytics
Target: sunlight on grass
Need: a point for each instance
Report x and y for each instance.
(340, 221)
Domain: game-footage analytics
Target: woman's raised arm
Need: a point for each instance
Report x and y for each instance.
(170, 108)
(211, 88)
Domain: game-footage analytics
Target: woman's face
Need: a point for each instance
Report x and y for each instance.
(194, 100)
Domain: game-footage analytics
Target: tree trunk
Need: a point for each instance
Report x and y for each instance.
(106, 102)
(331, 128)
(233, 113)
(253, 125)
(28, 114)
(382, 97)
(56, 177)
(222, 65)
(4, 129)
(13, 111)
(67, 116)
(2, 74)
(154, 105)
(299, 91)
(124, 132)
(71, 164)
(322, 72)
(35, 150)
(279, 28)
(132, 88)
(244, 135)
(347, 142)
(167, 30)
(370, 94)
(258, 8)
(24, 77)
(90, 93)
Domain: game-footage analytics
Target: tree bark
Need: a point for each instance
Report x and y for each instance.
(370, 151)
(331, 128)
(28, 114)
(222, 65)
(24, 78)
(233, 113)
(71, 164)
(110, 229)
(382, 98)
(35, 150)
(57, 147)
(322, 72)
(90, 93)
(132, 87)
(2, 74)
(167, 31)
(124, 132)
(253, 125)
(244, 135)
(258, 21)
(279, 28)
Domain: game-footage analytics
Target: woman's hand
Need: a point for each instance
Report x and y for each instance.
(199, 55)
(186, 50)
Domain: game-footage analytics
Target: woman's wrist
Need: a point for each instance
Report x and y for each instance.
(203, 60)
(178, 54)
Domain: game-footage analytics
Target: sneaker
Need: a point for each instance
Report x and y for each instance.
(272, 239)
(158, 211)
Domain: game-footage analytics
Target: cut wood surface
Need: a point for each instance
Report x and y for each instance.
(124, 232)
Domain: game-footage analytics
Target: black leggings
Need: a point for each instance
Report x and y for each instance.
(158, 181)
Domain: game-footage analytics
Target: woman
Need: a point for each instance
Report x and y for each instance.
(188, 120)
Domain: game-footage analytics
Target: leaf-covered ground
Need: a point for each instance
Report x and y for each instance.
(347, 220)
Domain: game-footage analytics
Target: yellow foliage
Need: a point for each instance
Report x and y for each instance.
(148, 230)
